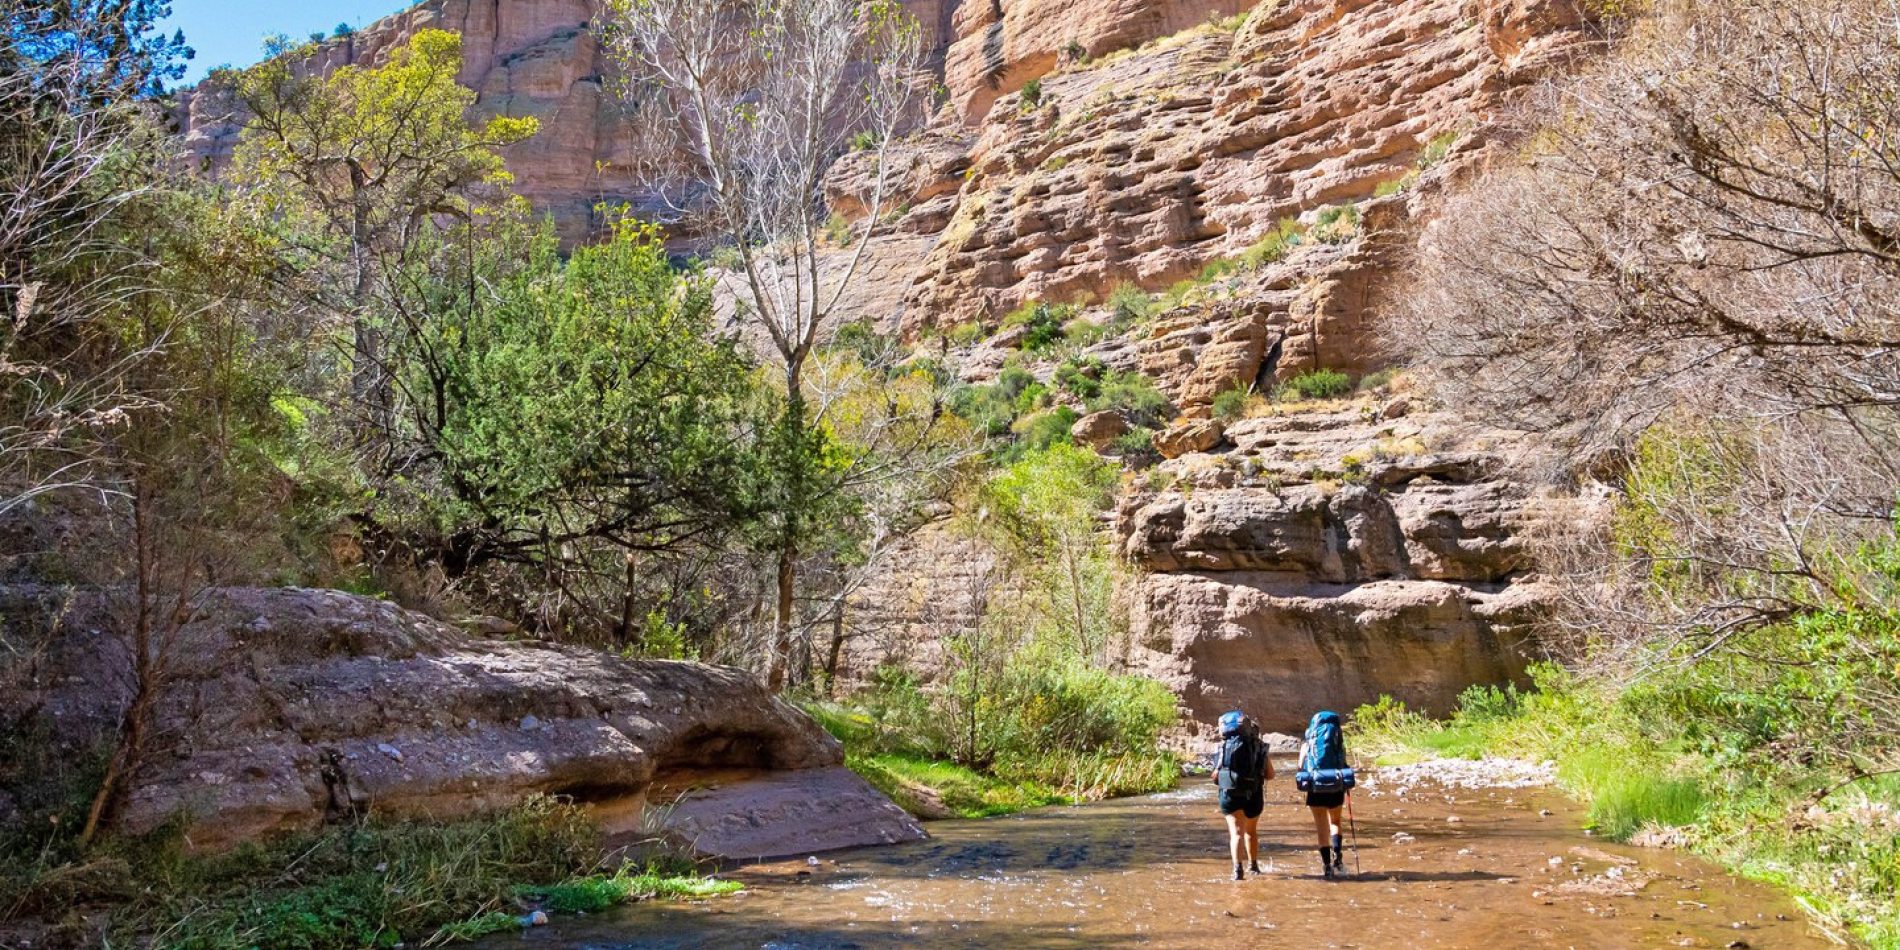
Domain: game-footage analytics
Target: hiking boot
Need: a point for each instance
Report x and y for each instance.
(1326, 862)
(1240, 875)
(1339, 858)
(1254, 867)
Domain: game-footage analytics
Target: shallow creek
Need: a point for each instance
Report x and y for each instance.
(1512, 870)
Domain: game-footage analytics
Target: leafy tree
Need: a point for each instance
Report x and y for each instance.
(1043, 510)
(357, 163)
(575, 417)
(755, 100)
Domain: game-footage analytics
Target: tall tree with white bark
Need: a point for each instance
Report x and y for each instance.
(752, 101)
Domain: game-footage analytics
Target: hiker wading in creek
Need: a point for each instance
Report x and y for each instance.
(1327, 782)
(1241, 771)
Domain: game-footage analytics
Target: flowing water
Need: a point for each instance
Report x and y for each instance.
(1440, 867)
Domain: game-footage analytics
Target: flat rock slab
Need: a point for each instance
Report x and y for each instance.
(785, 814)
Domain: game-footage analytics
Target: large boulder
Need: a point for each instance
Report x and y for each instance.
(1329, 559)
(286, 708)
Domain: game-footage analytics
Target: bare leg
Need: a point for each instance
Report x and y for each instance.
(1322, 827)
(1251, 828)
(1236, 837)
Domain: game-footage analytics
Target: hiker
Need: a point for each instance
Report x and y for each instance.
(1326, 780)
(1241, 770)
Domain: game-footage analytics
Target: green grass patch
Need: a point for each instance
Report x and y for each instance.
(370, 884)
(1318, 384)
(1688, 750)
(966, 793)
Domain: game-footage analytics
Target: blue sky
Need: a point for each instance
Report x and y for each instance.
(232, 31)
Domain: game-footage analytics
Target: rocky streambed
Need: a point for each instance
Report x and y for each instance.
(1443, 864)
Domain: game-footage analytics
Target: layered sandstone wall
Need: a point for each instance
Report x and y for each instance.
(1146, 165)
(1323, 559)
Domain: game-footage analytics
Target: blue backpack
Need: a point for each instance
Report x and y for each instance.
(1324, 769)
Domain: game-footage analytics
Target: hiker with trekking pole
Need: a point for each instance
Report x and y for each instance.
(1241, 771)
(1327, 781)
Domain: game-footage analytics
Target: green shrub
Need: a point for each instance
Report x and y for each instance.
(1275, 246)
(1377, 380)
(1082, 332)
(1436, 150)
(1135, 396)
(1081, 377)
(1044, 322)
(837, 230)
(1219, 268)
(1130, 304)
(1046, 428)
(1032, 94)
(1231, 404)
(1387, 189)
(1319, 384)
(991, 409)
(1337, 224)
(1137, 443)
(864, 141)
(964, 334)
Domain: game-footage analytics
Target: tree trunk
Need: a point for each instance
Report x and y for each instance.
(835, 653)
(145, 672)
(782, 624)
(367, 387)
(795, 502)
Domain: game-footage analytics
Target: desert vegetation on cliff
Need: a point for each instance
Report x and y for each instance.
(1686, 290)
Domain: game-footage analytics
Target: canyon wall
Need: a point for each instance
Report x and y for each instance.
(541, 58)
(1260, 167)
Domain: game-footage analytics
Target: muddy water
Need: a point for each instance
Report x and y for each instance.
(1152, 872)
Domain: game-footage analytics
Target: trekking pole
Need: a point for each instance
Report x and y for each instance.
(1354, 823)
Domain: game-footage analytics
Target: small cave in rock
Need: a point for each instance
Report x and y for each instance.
(1269, 364)
(715, 749)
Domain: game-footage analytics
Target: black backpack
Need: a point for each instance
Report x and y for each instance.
(1243, 757)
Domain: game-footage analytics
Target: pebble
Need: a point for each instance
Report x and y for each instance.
(1453, 819)
(529, 721)
(389, 750)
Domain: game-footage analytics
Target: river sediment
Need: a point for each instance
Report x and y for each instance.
(1440, 866)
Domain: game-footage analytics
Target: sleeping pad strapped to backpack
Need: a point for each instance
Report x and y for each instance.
(1243, 757)
(1324, 769)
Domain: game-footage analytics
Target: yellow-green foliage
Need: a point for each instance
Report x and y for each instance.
(392, 139)
(1436, 150)
(1274, 245)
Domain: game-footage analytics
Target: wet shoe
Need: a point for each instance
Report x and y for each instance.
(1254, 867)
(1239, 875)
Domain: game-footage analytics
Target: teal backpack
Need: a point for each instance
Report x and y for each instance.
(1324, 769)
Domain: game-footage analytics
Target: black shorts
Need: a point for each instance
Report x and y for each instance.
(1248, 801)
(1325, 799)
